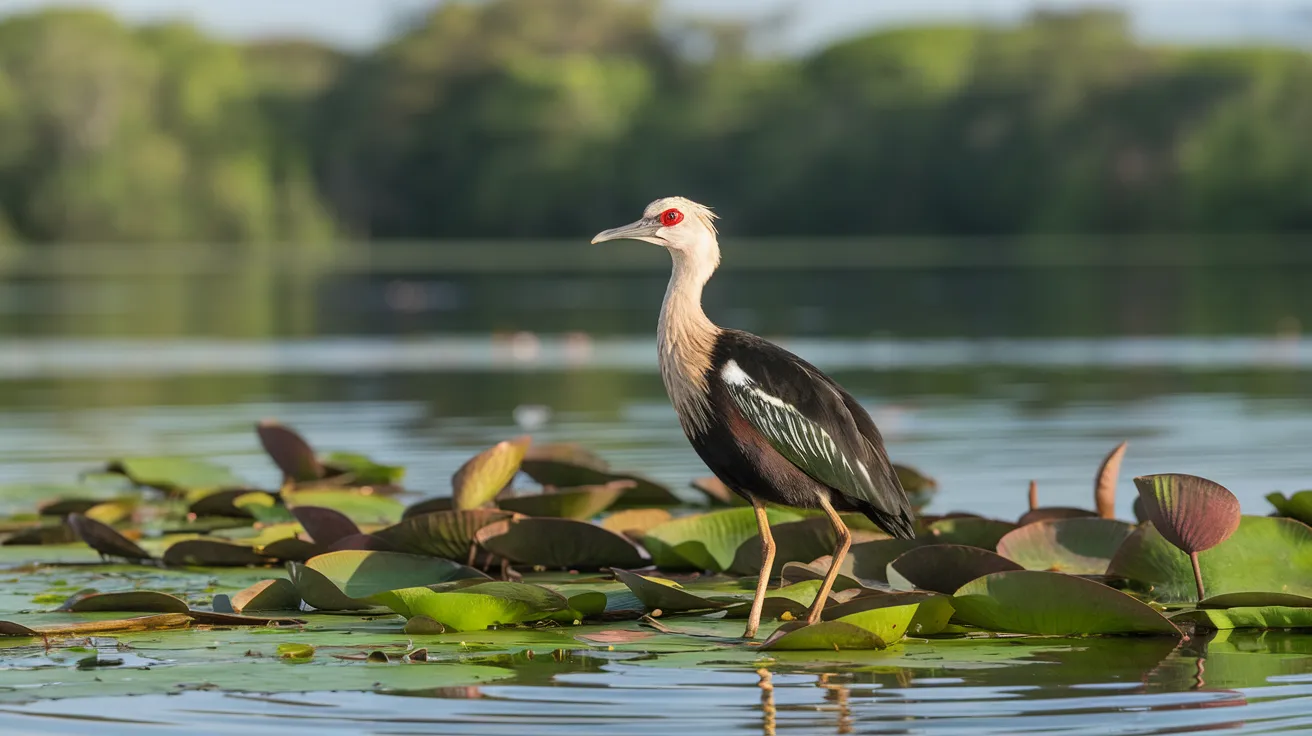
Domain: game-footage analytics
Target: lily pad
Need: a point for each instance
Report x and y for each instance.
(1081, 546)
(135, 601)
(361, 508)
(291, 550)
(113, 626)
(565, 465)
(795, 541)
(104, 539)
(289, 451)
(60, 533)
(223, 503)
(174, 474)
(1297, 506)
(1256, 600)
(569, 503)
(659, 594)
(1247, 617)
(448, 534)
(428, 506)
(360, 470)
(972, 531)
(932, 615)
(1053, 513)
(479, 606)
(943, 568)
(1052, 603)
(558, 543)
(211, 553)
(1264, 555)
(706, 541)
(832, 636)
(360, 573)
(868, 561)
(277, 594)
(1104, 483)
(483, 476)
(1192, 513)
(324, 525)
(635, 522)
(794, 600)
(361, 541)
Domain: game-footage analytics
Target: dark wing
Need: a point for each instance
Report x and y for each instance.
(816, 425)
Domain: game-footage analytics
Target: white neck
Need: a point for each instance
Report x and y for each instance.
(686, 339)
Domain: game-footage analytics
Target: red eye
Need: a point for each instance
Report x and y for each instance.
(671, 217)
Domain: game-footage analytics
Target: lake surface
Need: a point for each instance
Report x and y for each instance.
(984, 373)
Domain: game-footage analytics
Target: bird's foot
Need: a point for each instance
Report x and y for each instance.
(814, 616)
(750, 633)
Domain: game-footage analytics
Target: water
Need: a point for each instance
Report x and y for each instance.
(984, 376)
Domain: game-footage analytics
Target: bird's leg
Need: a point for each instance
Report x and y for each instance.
(840, 550)
(767, 564)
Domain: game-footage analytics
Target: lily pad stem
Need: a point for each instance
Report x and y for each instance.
(1198, 574)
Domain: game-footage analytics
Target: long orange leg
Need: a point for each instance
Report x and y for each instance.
(767, 564)
(840, 550)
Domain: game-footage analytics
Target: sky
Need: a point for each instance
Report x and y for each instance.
(361, 23)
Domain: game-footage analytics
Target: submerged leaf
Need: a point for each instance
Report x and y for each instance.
(1052, 603)
(1192, 513)
(1081, 546)
(483, 476)
(943, 568)
(289, 451)
(558, 543)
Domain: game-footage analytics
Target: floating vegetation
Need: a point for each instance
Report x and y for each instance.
(347, 575)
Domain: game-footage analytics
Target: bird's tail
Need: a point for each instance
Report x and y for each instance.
(902, 525)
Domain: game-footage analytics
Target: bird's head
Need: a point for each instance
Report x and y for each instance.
(679, 225)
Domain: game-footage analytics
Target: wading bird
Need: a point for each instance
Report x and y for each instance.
(767, 423)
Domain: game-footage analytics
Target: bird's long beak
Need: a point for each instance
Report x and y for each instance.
(640, 230)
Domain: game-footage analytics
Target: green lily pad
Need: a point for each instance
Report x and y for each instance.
(1053, 513)
(943, 568)
(484, 475)
(360, 470)
(795, 541)
(478, 606)
(104, 539)
(972, 531)
(558, 543)
(823, 636)
(1297, 506)
(706, 541)
(361, 508)
(448, 534)
(175, 474)
(1081, 546)
(1247, 617)
(1053, 603)
(1192, 513)
(569, 503)
(1104, 483)
(289, 451)
(277, 594)
(794, 600)
(211, 553)
(325, 526)
(565, 465)
(135, 601)
(1264, 555)
(357, 574)
(1256, 600)
(932, 614)
(659, 594)
(321, 593)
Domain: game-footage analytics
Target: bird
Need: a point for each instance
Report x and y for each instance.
(771, 426)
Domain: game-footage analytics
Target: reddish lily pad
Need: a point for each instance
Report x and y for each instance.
(1192, 513)
(448, 534)
(1054, 604)
(569, 503)
(290, 452)
(483, 476)
(1081, 546)
(943, 568)
(558, 543)
(104, 539)
(362, 541)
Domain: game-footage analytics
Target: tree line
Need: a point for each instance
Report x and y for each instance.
(552, 118)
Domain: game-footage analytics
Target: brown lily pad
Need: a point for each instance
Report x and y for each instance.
(104, 539)
(212, 553)
(1192, 513)
(558, 543)
(277, 594)
(325, 526)
(448, 534)
(134, 601)
(289, 451)
(1104, 483)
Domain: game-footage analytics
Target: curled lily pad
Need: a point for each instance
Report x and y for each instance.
(483, 476)
(944, 568)
(321, 593)
(130, 600)
(359, 507)
(477, 607)
(1104, 483)
(706, 541)
(635, 522)
(1055, 604)
(448, 534)
(569, 503)
(795, 541)
(832, 636)
(558, 543)
(172, 474)
(1081, 546)
(104, 539)
(277, 594)
(972, 531)
(289, 451)
(660, 594)
(644, 492)
(1264, 555)
(62, 507)
(1192, 513)
(211, 553)
(325, 526)
(362, 573)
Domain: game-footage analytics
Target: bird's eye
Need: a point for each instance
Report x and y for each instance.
(671, 217)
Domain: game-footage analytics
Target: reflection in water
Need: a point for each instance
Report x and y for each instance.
(767, 702)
